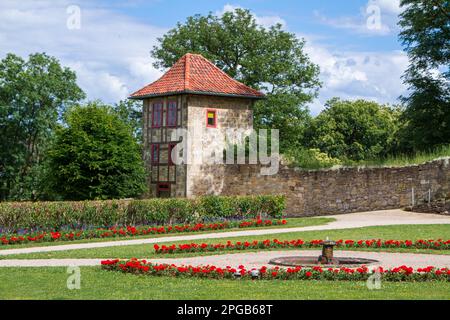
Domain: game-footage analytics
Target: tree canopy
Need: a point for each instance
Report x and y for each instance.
(33, 94)
(95, 156)
(353, 130)
(426, 37)
(268, 59)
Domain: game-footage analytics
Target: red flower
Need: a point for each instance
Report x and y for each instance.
(55, 235)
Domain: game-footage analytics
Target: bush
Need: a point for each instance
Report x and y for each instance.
(95, 157)
(354, 130)
(55, 216)
(311, 159)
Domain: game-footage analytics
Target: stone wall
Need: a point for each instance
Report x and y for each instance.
(232, 114)
(331, 191)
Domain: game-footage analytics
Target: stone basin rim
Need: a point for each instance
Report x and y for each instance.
(301, 261)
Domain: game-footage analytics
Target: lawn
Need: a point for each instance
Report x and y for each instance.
(292, 223)
(50, 283)
(401, 232)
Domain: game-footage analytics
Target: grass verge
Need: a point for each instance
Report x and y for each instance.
(50, 283)
(400, 232)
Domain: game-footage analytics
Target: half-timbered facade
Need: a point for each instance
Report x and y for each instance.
(194, 93)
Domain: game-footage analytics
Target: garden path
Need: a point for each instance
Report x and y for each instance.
(343, 221)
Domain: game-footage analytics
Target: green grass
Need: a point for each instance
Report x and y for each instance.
(292, 223)
(400, 232)
(305, 159)
(50, 283)
(404, 160)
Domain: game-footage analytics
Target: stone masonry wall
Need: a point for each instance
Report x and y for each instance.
(232, 113)
(331, 191)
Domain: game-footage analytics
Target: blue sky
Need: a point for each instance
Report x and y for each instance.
(355, 42)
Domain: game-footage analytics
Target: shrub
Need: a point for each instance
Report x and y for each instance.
(95, 156)
(353, 130)
(54, 216)
(310, 159)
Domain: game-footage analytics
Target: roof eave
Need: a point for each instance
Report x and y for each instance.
(155, 95)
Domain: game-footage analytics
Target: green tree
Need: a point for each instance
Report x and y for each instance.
(426, 37)
(95, 156)
(271, 60)
(33, 94)
(130, 111)
(353, 130)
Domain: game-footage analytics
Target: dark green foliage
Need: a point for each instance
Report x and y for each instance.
(353, 130)
(33, 94)
(130, 111)
(95, 156)
(282, 112)
(426, 37)
(271, 60)
(53, 216)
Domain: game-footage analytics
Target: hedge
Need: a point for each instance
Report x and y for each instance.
(17, 217)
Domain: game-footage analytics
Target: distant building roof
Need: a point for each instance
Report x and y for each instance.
(193, 73)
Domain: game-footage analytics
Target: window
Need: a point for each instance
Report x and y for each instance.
(211, 118)
(171, 147)
(171, 118)
(163, 190)
(155, 153)
(157, 115)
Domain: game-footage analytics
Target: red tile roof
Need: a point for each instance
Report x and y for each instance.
(192, 73)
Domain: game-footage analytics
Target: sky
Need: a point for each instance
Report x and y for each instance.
(108, 42)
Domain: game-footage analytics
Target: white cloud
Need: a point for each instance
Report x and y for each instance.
(351, 75)
(387, 6)
(376, 18)
(110, 52)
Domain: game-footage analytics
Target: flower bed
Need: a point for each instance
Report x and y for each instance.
(299, 243)
(402, 273)
(132, 231)
(60, 215)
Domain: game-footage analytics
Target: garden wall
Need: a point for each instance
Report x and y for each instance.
(331, 191)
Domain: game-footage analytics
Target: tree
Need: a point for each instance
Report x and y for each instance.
(426, 37)
(95, 156)
(353, 130)
(271, 60)
(33, 94)
(282, 111)
(130, 111)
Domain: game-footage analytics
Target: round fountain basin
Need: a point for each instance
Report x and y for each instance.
(295, 261)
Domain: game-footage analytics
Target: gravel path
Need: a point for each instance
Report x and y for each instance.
(256, 259)
(343, 221)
